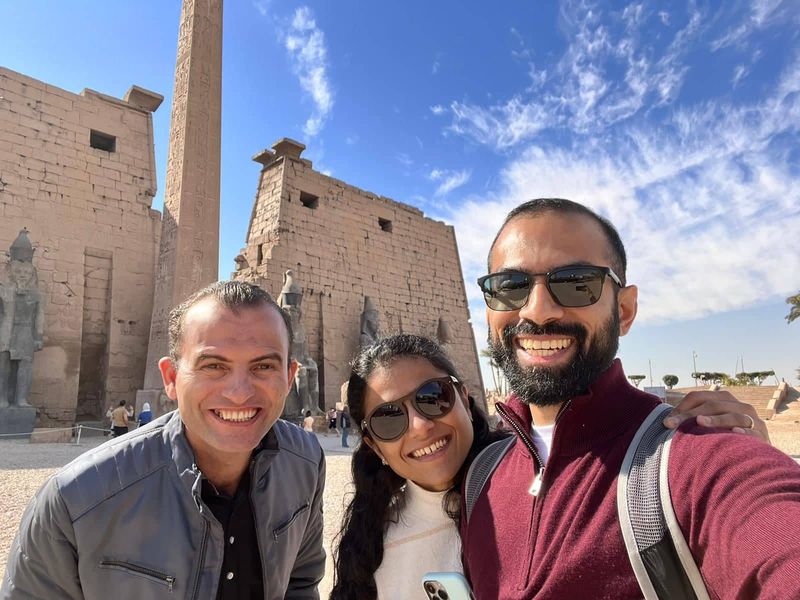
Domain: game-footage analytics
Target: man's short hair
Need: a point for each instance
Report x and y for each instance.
(539, 206)
(233, 295)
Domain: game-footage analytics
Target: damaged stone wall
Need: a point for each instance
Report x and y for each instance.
(78, 171)
(343, 244)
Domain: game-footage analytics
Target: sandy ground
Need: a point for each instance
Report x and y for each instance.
(24, 467)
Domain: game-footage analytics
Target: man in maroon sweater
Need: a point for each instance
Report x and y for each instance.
(546, 525)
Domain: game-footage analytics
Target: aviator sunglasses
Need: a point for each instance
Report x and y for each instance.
(570, 287)
(433, 399)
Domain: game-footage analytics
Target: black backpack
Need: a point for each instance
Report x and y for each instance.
(660, 557)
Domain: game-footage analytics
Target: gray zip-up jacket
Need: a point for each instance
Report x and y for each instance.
(126, 521)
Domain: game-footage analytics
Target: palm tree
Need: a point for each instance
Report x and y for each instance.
(498, 379)
(486, 353)
(794, 312)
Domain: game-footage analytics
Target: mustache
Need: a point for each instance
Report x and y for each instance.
(530, 328)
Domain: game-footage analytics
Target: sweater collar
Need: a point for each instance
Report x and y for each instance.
(417, 494)
(601, 414)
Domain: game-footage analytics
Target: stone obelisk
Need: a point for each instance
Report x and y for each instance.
(189, 253)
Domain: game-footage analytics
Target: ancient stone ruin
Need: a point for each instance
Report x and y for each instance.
(78, 171)
(368, 265)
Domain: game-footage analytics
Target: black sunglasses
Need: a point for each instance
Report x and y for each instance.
(433, 399)
(571, 287)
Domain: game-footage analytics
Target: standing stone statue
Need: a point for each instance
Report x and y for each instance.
(21, 335)
(443, 332)
(304, 394)
(369, 323)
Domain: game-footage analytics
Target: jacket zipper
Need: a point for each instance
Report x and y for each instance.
(279, 530)
(538, 482)
(168, 580)
(537, 489)
(522, 436)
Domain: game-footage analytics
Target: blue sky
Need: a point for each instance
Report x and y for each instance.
(678, 121)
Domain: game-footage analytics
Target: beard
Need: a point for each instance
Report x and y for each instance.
(544, 386)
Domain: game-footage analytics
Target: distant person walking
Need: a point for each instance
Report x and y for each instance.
(332, 420)
(344, 423)
(308, 422)
(146, 415)
(119, 420)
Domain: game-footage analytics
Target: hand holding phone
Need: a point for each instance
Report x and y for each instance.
(446, 586)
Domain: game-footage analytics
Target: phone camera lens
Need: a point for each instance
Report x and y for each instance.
(430, 588)
(443, 595)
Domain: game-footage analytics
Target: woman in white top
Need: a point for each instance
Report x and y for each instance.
(418, 425)
(308, 422)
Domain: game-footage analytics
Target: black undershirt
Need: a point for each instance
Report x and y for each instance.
(241, 576)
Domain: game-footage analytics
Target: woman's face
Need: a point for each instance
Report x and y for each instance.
(449, 437)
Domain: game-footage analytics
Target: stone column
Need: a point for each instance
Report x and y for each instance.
(189, 252)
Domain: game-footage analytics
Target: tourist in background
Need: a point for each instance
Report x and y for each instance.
(119, 420)
(332, 420)
(344, 423)
(308, 422)
(146, 415)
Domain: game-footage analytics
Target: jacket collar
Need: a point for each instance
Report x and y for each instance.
(183, 456)
(602, 413)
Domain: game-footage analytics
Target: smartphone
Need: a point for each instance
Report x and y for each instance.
(446, 586)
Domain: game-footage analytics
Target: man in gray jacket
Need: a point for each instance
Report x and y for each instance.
(219, 499)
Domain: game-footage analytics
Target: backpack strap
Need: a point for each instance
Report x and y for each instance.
(481, 469)
(660, 557)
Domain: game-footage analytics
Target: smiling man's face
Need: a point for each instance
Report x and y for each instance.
(550, 353)
(231, 379)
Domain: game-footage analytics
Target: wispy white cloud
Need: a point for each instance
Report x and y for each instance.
(703, 202)
(404, 159)
(306, 46)
(502, 125)
(761, 14)
(262, 6)
(351, 140)
(438, 109)
(583, 91)
(739, 73)
(521, 51)
(448, 180)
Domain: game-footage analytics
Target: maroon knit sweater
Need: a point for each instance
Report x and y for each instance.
(736, 498)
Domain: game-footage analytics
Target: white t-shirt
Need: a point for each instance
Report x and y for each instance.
(543, 440)
(425, 539)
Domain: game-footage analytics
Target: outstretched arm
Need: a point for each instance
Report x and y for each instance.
(738, 503)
